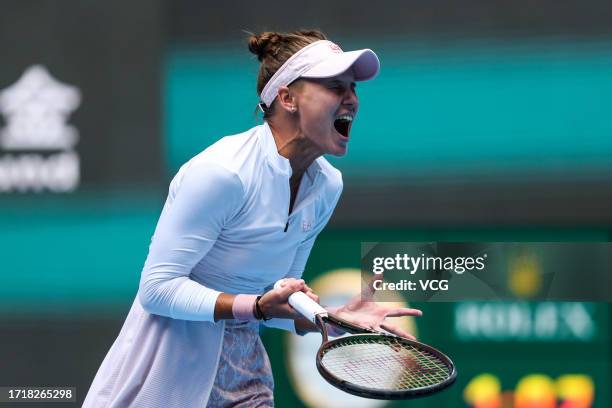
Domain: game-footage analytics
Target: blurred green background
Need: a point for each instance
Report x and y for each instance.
(470, 106)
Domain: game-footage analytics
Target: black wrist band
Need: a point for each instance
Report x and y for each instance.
(258, 313)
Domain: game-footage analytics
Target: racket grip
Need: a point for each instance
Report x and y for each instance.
(304, 305)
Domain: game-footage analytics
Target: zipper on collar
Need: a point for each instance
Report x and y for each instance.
(311, 195)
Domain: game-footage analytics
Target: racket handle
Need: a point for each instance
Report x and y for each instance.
(304, 305)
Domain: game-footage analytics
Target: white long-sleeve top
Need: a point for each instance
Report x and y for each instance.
(225, 227)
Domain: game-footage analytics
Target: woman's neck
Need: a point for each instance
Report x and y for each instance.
(293, 145)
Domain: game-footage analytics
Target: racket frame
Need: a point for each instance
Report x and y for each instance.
(360, 391)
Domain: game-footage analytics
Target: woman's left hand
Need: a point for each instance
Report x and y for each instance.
(362, 310)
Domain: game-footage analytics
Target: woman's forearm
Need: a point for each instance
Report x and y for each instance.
(223, 307)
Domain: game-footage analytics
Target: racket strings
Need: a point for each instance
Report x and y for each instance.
(384, 363)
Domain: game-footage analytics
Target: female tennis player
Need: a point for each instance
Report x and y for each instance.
(239, 216)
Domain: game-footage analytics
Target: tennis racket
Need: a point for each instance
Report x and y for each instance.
(371, 364)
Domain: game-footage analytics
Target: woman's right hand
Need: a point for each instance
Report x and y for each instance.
(274, 302)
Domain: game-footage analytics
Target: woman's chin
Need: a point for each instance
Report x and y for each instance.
(339, 150)
(340, 145)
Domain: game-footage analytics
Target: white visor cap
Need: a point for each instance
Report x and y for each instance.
(321, 59)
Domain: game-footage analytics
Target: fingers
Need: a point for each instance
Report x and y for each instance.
(274, 303)
(397, 331)
(285, 281)
(404, 311)
(313, 296)
(294, 285)
(289, 286)
(310, 293)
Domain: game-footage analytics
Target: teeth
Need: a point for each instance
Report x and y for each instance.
(345, 117)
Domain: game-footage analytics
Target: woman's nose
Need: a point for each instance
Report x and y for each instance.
(350, 98)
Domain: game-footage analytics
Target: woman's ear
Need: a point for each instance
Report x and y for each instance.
(286, 99)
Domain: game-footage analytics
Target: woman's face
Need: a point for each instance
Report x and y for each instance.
(326, 108)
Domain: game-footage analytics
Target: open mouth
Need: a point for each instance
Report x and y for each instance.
(343, 124)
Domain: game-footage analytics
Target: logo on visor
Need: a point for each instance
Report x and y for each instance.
(335, 48)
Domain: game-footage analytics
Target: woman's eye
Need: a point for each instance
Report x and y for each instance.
(339, 88)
